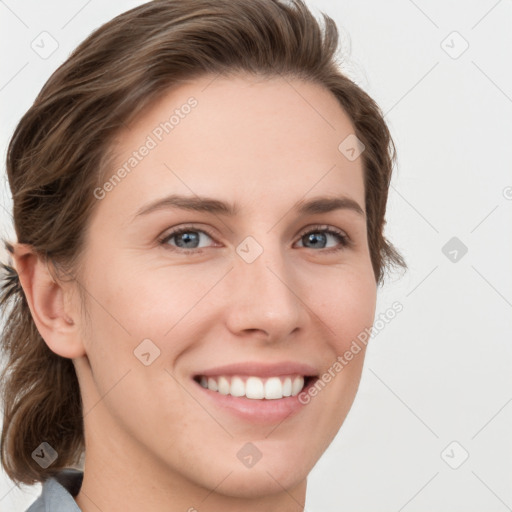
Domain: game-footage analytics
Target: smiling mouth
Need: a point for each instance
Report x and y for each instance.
(256, 388)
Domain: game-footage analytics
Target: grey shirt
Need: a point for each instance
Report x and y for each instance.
(58, 493)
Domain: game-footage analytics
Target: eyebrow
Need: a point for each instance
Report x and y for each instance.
(215, 206)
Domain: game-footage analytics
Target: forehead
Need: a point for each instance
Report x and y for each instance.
(240, 139)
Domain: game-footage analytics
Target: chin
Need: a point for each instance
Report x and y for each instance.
(275, 471)
(255, 483)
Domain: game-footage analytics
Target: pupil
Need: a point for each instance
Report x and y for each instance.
(187, 237)
(315, 238)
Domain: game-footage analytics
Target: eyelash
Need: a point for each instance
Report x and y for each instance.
(345, 241)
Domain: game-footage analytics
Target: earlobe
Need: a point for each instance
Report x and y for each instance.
(57, 323)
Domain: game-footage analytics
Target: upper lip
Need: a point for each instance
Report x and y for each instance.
(261, 369)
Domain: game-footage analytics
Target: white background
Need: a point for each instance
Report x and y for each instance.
(441, 370)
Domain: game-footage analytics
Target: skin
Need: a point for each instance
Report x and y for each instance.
(152, 441)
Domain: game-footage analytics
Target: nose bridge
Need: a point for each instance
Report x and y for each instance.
(263, 295)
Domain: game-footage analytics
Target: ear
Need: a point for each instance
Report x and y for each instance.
(56, 316)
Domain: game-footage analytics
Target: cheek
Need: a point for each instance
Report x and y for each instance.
(137, 302)
(346, 305)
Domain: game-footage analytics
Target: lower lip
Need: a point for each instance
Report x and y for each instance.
(257, 411)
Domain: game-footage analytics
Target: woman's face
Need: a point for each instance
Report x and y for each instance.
(248, 302)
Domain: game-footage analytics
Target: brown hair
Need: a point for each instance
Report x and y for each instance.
(59, 150)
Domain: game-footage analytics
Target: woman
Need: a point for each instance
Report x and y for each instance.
(199, 202)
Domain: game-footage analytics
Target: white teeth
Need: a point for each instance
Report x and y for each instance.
(273, 388)
(298, 384)
(212, 384)
(255, 388)
(287, 386)
(223, 386)
(237, 387)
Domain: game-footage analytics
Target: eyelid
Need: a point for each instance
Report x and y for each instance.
(346, 243)
(346, 240)
(180, 229)
(322, 227)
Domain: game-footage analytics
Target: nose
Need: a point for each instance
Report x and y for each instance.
(265, 297)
